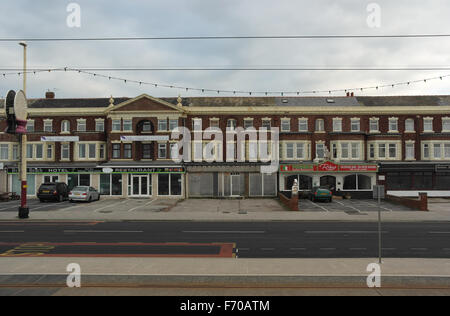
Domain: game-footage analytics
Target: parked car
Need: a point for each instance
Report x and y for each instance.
(84, 194)
(53, 192)
(321, 194)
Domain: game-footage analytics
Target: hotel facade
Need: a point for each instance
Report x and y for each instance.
(123, 146)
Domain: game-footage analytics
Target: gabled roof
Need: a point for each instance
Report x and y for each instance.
(129, 102)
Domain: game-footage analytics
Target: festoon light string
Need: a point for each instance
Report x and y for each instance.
(221, 91)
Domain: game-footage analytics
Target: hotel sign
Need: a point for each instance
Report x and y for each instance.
(329, 167)
(143, 138)
(100, 170)
(60, 139)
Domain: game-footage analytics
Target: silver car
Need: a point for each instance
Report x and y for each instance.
(84, 194)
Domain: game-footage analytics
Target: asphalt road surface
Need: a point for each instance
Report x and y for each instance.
(208, 239)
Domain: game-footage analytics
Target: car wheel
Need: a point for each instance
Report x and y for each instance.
(98, 198)
(90, 199)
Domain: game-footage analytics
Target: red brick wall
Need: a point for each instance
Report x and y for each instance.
(420, 204)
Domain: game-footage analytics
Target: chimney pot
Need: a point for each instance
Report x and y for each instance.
(49, 95)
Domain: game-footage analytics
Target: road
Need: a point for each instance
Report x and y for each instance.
(225, 239)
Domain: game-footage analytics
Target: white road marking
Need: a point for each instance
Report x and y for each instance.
(141, 206)
(317, 205)
(114, 204)
(376, 205)
(349, 206)
(344, 232)
(222, 232)
(103, 231)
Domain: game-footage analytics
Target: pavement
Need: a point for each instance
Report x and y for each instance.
(252, 210)
(158, 276)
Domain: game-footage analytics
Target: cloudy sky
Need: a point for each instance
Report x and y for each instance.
(122, 18)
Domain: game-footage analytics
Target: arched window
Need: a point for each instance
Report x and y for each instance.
(145, 127)
(364, 182)
(329, 182)
(65, 126)
(320, 125)
(357, 182)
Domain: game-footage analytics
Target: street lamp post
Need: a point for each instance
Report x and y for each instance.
(23, 209)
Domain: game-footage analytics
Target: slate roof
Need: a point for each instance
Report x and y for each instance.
(412, 101)
(70, 103)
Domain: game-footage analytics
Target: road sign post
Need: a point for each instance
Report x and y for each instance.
(379, 191)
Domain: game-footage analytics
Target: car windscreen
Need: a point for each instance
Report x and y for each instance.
(81, 189)
(48, 187)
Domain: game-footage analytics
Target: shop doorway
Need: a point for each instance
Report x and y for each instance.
(235, 184)
(140, 186)
(328, 181)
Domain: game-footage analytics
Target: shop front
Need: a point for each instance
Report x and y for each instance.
(410, 179)
(118, 182)
(356, 180)
(230, 181)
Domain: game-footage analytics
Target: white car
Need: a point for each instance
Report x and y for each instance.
(84, 194)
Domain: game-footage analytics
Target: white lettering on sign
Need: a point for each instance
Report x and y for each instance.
(143, 138)
(60, 139)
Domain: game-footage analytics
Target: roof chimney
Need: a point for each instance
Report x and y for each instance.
(49, 95)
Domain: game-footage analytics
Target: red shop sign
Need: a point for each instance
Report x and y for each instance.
(360, 168)
(327, 167)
